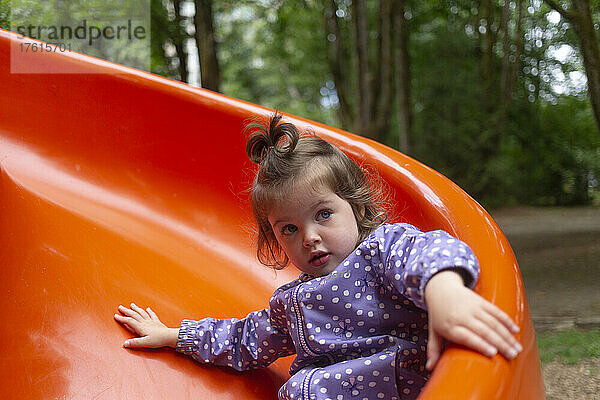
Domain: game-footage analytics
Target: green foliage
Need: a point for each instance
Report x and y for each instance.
(569, 346)
(448, 119)
(5, 14)
(159, 36)
(550, 155)
(274, 54)
(542, 149)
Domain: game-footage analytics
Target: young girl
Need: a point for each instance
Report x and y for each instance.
(374, 302)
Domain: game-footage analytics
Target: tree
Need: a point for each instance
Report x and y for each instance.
(372, 77)
(402, 77)
(580, 17)
(206, 44)
(179, 36)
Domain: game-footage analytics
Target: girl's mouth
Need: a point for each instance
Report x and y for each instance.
(319, 259)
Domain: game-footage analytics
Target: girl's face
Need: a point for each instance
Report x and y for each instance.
(316, 229)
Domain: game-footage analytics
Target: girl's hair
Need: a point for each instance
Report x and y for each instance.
(287, 159)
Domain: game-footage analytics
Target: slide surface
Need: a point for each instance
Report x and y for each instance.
(117, 185)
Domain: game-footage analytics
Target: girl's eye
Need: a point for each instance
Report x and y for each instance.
(324, 214)
(289, 229)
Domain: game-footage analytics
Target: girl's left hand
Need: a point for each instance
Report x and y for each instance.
(146, 324)
(460, 315)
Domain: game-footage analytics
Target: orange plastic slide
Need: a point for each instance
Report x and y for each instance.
(117, 185)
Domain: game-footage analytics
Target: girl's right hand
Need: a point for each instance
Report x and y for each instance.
(144, 323)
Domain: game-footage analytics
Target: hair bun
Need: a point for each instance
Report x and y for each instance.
(273, 137)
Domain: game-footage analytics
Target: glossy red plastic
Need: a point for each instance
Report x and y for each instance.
(117, 185)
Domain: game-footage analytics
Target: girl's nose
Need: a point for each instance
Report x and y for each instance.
(311, 238)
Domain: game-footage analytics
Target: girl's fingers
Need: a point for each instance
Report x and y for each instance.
(130, 313)
(138, 342)
(508, 344)
(140, 311)
(465, 337)
(434, 349)
(501, 316)
(493, 337)
(127, 322)
(152, 314)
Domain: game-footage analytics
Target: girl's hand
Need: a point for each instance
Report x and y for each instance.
(458, 314)
(146, 324)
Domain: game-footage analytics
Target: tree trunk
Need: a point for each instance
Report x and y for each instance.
(402, 78)
(338, 64)
(382, 102)
(364, 78)
(505, 71)
(179, 37)
(588, 42)
(487, 40)
(519, 43)
(580, 18)
(207, 48)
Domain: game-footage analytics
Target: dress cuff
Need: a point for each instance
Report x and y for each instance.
(185, 340)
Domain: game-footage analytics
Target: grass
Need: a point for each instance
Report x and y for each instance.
(569, 346)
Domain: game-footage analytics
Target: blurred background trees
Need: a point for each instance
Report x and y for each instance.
(501, 96)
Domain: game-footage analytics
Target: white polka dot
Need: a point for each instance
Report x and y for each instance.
(335, 300)
(349, 371)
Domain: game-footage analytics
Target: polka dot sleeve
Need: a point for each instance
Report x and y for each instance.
(252, 342)
(412, 257)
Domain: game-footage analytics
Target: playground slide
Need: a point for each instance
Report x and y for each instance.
(117, 185)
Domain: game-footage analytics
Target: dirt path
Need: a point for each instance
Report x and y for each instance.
(558, 250)
(572, 382)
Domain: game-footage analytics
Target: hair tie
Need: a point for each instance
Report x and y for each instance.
(271, 147)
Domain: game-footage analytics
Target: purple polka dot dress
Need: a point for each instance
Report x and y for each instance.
(358, 333)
